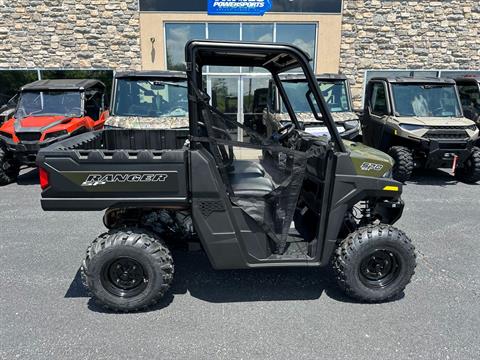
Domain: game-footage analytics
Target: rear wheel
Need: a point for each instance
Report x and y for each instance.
(374, 263)
(128, 269)
(403, 167)
(9, 170)
(470, 172)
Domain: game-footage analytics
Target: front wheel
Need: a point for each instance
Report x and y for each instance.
(9, 170)
(128, 269)
(404, 164)
(470, 172)
(374, 263)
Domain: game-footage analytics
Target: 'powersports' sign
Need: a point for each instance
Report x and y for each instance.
(239, 7)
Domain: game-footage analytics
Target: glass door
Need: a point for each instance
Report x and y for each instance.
(224, 92)
(248, 108)
(254, 91)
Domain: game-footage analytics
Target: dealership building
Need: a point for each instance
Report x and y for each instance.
(359, 38)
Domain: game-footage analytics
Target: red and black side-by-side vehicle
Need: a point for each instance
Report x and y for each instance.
(48, 111)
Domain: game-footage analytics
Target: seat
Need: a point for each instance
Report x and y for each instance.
(244, 167)
(244, 185)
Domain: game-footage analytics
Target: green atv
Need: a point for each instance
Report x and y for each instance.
(332, 203)
(419, 122)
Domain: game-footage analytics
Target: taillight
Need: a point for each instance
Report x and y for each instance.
(43, 178)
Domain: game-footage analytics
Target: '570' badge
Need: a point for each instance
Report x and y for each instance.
(367, 166)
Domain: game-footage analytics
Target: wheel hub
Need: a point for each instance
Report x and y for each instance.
(124, 277)
(380, 268)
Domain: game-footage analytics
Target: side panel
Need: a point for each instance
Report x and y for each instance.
(348, 190)
(211, 214)
(99, 181)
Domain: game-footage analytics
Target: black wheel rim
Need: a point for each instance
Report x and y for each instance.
(124, 277)
(380, 268)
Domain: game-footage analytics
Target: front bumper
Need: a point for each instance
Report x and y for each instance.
(389, 211)
(441, 154)
(25, 153)
(351, 134)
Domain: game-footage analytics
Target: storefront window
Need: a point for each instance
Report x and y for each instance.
(177, 35)
(301, 35)
(257, 32)
(223, 32)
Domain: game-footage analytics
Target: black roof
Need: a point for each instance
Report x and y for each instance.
(321, 77)
(152, 74)
(275, 57)
(63, 84)
(414, 80)
(468, 79)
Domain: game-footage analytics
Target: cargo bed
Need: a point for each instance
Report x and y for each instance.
(116, 168)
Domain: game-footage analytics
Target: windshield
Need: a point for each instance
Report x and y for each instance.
(49, 103)
(334, 93)
(151, 98)
(436, 100)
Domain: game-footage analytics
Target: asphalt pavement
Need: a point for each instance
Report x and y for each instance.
(45, 313)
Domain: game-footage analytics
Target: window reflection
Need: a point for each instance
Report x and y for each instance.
(225, 32)
(255, 96)
(177, 35)
(301, 35)
(257, 32)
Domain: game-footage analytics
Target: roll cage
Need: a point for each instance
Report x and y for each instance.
(276, 58)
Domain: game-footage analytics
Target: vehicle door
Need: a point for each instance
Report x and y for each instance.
(377, 110)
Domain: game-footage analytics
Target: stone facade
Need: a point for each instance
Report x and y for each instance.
(392, 34)
(70, 34)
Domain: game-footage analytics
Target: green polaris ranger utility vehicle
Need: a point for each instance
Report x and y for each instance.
(333, 203)
(420, 123)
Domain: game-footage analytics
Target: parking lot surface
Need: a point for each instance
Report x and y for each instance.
(45, 313)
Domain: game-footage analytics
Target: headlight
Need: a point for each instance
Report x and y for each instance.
(351, 124)
(411, 127)
(472, 127)
(56, 134)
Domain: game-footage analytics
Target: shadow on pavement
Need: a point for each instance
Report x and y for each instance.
(194, 274)
(435, 177)
(28, 177)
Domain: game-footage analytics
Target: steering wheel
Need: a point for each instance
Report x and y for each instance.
(72, 110)
(175, 108)
(284, 132)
